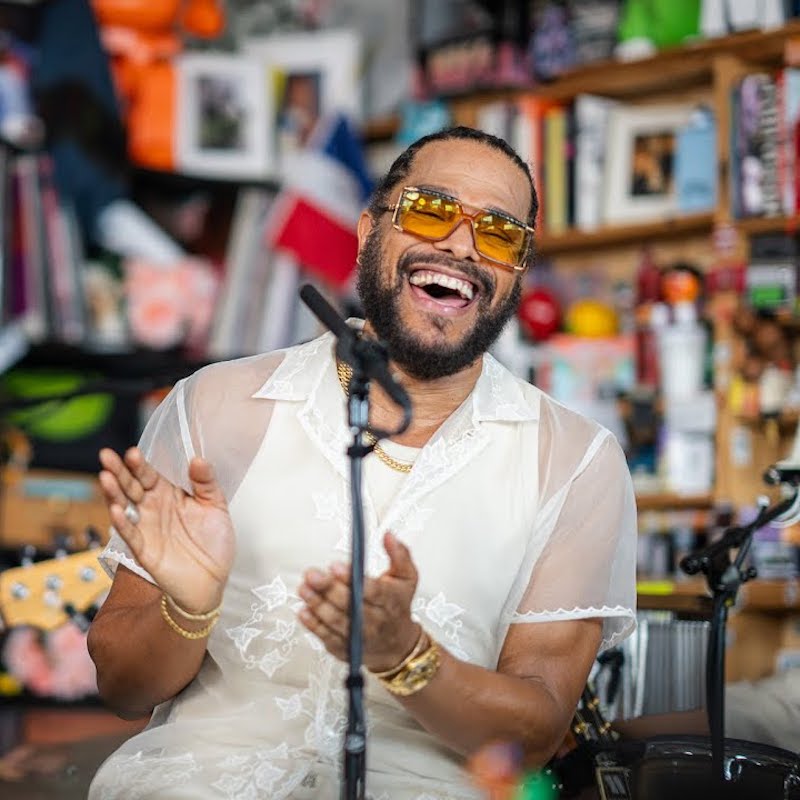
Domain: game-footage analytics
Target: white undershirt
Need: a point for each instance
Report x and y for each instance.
(383, 482)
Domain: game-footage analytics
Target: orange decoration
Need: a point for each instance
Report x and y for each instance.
(141, 38)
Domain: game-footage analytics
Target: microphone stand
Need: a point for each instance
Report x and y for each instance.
(724, 577)
(368, 360)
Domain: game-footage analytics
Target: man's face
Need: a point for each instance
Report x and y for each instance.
(433, 329)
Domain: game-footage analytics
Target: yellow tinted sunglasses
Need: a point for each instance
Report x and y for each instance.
(433, 216)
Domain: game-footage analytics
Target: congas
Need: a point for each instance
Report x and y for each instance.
(669, 767)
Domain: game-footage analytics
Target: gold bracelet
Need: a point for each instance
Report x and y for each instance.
(194, 617)
(417, 674)
(416, 650)
(201, 634)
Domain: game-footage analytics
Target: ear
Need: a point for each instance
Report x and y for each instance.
(365, 224)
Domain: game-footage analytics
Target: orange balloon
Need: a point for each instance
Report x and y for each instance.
(149, 15)
(203, 18)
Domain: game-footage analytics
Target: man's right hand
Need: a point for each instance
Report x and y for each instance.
(185, 541)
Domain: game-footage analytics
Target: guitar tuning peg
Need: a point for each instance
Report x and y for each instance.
(93, 537)
(81, 620)
(27, 555)
(61, 540)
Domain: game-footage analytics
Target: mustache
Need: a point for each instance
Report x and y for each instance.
(485, 280)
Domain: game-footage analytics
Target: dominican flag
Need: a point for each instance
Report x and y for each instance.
(325, 187)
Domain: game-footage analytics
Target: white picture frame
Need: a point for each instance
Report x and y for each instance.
(325, 67)
(639, 169)
(224, 110)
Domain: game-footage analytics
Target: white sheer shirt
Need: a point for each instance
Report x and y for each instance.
(516, 511)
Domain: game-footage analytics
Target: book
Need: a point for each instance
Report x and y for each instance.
(528, 140)
(555, 154)
(591, 116)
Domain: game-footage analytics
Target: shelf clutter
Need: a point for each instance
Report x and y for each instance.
(664, 300)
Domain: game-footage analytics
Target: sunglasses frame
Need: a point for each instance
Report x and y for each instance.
(396, 207)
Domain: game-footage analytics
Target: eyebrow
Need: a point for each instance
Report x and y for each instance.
(432, 187)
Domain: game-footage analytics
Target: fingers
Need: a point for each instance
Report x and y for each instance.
(141, 469)
(111, 489)
(327, 600)
(126, 529)
(400, 564)
(335, 644)
(204, 482)
(373, 589)
(126, 480)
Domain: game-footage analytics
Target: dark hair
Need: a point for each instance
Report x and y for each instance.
(403, 163)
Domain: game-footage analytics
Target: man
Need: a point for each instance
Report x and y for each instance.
(511, 556)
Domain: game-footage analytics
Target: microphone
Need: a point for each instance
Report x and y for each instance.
(786, 473)
(782, 473)
(365, 354)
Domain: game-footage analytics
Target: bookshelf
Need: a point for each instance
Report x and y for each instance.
(666, 501)
(700, 72)
(610, 236)
(758, 595)
(705, 69)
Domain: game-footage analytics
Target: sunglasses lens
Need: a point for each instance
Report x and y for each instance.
(427, 215)
(500, 239)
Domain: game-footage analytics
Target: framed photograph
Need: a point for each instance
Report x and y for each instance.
(225, 106)
(312, 74)
(640, 163)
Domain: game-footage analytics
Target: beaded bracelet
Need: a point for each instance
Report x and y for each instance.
(200, 634)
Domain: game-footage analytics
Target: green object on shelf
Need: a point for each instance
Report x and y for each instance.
(664, 22)
(56, 420)
(540, 785)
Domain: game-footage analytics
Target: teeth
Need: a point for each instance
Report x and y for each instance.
(425, 278)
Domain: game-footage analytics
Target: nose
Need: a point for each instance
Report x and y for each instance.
(460, 242)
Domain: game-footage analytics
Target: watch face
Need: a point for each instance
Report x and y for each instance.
(417, 674)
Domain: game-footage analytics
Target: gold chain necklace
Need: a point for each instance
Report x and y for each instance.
(345, 372)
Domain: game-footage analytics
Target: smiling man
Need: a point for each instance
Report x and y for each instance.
(500, 530)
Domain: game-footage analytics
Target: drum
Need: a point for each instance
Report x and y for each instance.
(670, 767)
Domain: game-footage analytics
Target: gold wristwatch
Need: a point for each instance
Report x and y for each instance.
(416, 673)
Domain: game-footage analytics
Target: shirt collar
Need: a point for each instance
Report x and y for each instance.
(498, 396)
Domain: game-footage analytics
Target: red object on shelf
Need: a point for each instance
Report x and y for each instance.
(539, 314)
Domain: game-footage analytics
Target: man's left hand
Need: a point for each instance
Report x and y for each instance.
(389, 632)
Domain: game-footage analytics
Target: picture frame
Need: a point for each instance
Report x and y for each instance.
(640, 166)
(224, 109)
(312, 74)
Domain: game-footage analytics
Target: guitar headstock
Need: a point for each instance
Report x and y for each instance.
(588, 724)
(42, 593)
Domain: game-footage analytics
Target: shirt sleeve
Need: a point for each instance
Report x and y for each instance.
(166, 443)
(587, 520)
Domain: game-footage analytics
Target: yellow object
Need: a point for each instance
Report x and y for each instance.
(194, 617)
(415, 651)
(655, 587)
(591, 318)
(201, 634)
(9, 685)
(416, 674)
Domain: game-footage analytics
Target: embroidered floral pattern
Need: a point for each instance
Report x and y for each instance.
(445, 617)
(304, 699)
(277, 636)
(140, 776)
(259, 774)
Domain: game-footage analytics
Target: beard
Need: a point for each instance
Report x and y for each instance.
(418, 358)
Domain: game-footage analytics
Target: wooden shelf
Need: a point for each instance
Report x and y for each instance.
(765, 595)
(380, 129)
(575, 240)
(669, 502)
(755, 225)
(671, 69)
(691, 595)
